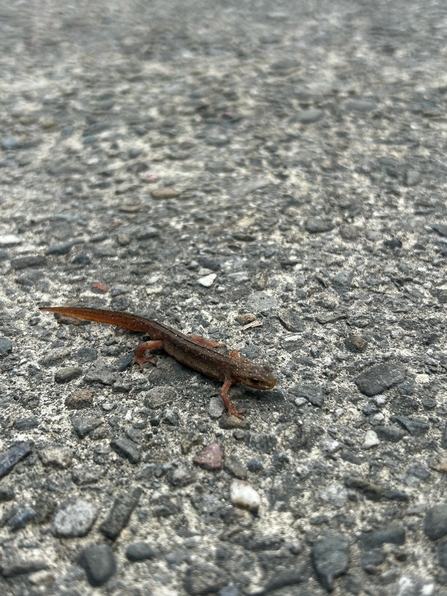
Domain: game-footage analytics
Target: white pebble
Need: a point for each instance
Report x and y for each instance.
(9, 240)
(381, 399)
(243, 495)
(330, 446)
(154, 290)
(215, 407)
(371, 440)
(300, 401)
(208, 280)
(422, 379)
(335, 494)
(40, 578)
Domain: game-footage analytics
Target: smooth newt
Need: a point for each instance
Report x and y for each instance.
(193, 350)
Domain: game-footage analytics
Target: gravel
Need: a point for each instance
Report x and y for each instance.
(271, 177)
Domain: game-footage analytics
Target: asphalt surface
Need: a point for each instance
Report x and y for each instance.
(271, 175)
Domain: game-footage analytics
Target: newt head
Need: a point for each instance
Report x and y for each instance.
(257, 376)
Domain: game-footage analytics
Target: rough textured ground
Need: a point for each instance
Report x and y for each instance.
(212, 165)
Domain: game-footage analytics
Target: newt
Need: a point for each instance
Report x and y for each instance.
(193, 350)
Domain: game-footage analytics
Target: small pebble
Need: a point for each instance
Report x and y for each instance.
(215, 407)
(165, 193)
(8, 459)
(10, 240)
(74, 518)
(371, 440)
(41, 578)
(56, 457)
(207, 281)
(5, 347)
(210, 458)
(243, 495)
(99, 563)
(140, 551)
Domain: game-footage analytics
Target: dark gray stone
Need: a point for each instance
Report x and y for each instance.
(343, 279)
(126, 449)
(441, 229)
(99, 373)
(29, 261)
(21, 519)
(83, 425)
(30, 278)
(418, 471)
(331, 317)
(82, 260)
(288, 577)
(148, 232)
(5, 347)
(258, 541)
(86, 354)
(6, 492)
(415, 427)
(379, 378)
(83, 475)
(435, 522)
(291, 320)
(62, 248)
(354, 585)
(313, 394)
(284, 66)
(235, 467)
(140, 551)
(371, 559)
(444, 437)
(26, 423)
(262, 442)
(442, 554)
(16, 453)
(392, 534)
(12, 567)
(360, 105)
(391, 434)
(99, 563)
(67, 374)
(309, 116)
(204, 579)
(165, 506)
(315, 225)
(348, 232)
(120, 513)
(330, 557)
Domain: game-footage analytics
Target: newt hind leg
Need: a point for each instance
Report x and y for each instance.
(140, 357)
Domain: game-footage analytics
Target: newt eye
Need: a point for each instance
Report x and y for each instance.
(256, 381)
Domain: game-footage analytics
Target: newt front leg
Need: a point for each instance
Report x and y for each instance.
(229, 405)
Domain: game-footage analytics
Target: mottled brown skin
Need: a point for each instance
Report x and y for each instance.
(194, 351)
